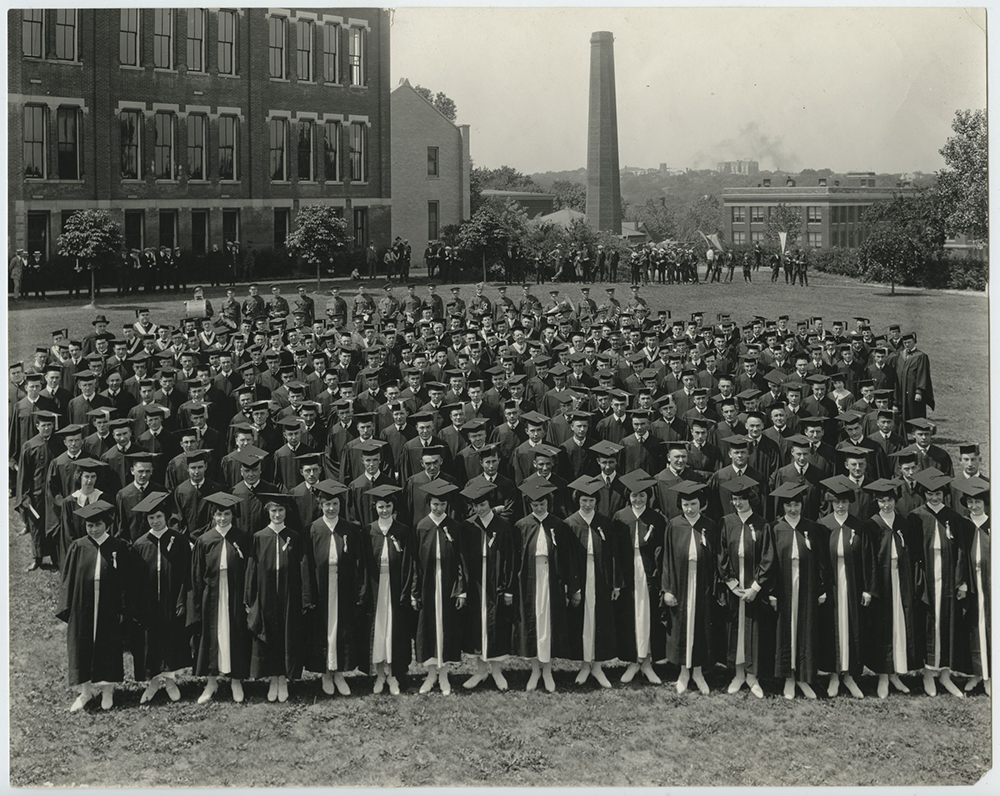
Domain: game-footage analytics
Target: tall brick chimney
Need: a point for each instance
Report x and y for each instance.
(603, 185)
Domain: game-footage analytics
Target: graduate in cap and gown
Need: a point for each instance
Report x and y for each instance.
(799, 589)
(943, 551)
(975, 498)
(336, 566)
(490, 551)
(86, 478)
(639, 530)
(547, 580)
(438, 587)
(847, 613)
(592, 623)
(390, 618)
(746, 556)
(218, 615)
(162, 572)
(690, 585)
(277, 591)
(95, 600)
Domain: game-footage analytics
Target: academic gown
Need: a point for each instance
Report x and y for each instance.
(592, 623)
(978, 625)
(690, 573)
(336, 559)
(277, 590)
(218, 614)
(893, 646)
(360, 505)
(845, 622)
(389, 616)
(801, 576)
(942, 552)
(639, 554)
(913, 373)
(162, 571)
(96, 598)
(545, 564)
(437, 579)
(746, 556)
(491, 556)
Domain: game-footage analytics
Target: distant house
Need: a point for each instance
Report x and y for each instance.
(561, 218)
(534, 204)
(431, 168)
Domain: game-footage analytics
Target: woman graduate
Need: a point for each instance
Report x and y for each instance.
(96, 598)
(277, 590)
(799, 589)
(975, 496)
(891, 648)
(847, 613)
(746, 558)
(592, 624)
(86, 476)
(490, 553)
(547, 579)
(438, 587)
(336, 566)
(689, 584)
(218, 581)
(387, 566)
(946, 579)
(638, 531)
(162, 572)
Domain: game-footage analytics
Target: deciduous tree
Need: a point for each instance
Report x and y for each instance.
(964, 184)
(904, 237)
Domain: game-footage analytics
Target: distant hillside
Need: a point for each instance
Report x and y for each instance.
(545, 179)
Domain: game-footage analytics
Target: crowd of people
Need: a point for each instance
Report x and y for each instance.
(259, 492)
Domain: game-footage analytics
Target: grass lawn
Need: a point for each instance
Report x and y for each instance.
(633, 735)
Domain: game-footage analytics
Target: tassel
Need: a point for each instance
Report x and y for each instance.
(239, 552)
(114, 559)
(170, 544)
(395, 543)
(808, 544)
(947, 531)
(753, 533)
(704, 541)
(345, 545)
(285, 545)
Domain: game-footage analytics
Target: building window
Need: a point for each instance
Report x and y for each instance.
(135, 229)
(756, 237)
(282, 220)
(163, 38)
(128, 37)
(227, 42)
(305, 150)
(432, 161)
(38, 231)
(814, 214)
(433, 219)
(34, 142)
(331, 151)
(230, 225)
(816, 240)
(196, 18)
(276, 46)
(756, 215)
(32, 32)
(356, 55)
(739, 215)
(68, 143)
(168, 228)
(359, 153)
(835, 214)
(66, 34)
(131, 129)
(360, 227)
(196, 147)
(739, 238)
(851, 238)
(199, 231)
(331, 48)
(228, 148)
(279, 142)
(304, 49)
(851, 214)
(163, 146)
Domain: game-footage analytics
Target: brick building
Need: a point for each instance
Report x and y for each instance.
(831, 214)
(196, 126)
(431, 168)
(534, 203)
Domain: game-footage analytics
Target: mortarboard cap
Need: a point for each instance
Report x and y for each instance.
(740, 485)
(589, 485)
(922, 423)
(974, 487)
(689, 489)
(384, 491)
(536, 489)
(853, 451)
(788, 490)
(932, 479)
(439, 488)
(151, 503)
(223, 500)
(840, 487)
(330, 488)
(478, 492)
(638, 481)
(98, 510)
(882, 486)
(606, 448)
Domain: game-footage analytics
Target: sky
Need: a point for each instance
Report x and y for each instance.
(839, 88)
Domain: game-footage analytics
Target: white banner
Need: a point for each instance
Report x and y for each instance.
(782, 236)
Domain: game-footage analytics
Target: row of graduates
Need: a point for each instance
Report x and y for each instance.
(782, 601)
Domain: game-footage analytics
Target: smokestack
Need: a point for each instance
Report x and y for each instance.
(603, 181)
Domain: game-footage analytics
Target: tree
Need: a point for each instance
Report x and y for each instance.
(570, 194)
(320, 234)
(783, 219)
(704, 215)
(964, 184)
(441, 101)
(904, 238)
(657, 218)
(491, 229)
(505, 178)
(92, 236)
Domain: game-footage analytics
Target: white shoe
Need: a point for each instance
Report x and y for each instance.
(834, 688)
(930, 688)
(237, 686)
(853, 687)
(583, 674)
(342, 687)
(972, 683)
(950, 686)
(444, 683)
(500, 680)
(736, 684)
(327, 684)
(172, 690)
(150, 692)
(789, 692)
(699, 681)
(550, 684)
(428, 683)
(533, 680)
(475, 680)
(630, 672)
(272, 690)
(598, 674)
(651, 676)
(756, 690)
(986, 687)
(107, 697)
(379, 685)
(393, 685)
(883, 687)
(81, 701)
(898, 684)
(807, 690)
(682, 680)
(207, 694)
(282, 689)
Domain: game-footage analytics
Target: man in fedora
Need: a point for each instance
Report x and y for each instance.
(16, 271)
